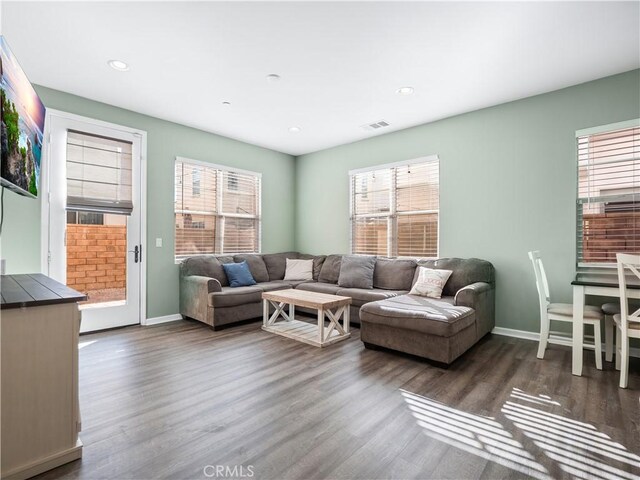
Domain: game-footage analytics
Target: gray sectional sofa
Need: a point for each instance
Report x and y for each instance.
(389, 317)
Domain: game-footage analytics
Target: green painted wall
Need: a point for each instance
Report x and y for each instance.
(507, 185)
(21, 232)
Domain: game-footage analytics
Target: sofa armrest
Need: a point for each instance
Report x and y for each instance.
(481, 297)
(200, 284)
(194, 296)
(467, 296)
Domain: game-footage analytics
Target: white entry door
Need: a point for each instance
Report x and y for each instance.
(93, 177)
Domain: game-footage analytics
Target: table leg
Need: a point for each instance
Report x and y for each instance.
(292, 312)
(321, 326)
(578, 329)
(346, 318)
(265, 312)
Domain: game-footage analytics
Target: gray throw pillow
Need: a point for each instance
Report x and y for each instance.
(276, 264)
(256, 266)
(394, 273)
(330, 270)
(356, 271)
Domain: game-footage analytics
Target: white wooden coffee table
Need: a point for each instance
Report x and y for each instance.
(285, 324)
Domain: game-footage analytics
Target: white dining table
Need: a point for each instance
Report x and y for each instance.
(592, 285)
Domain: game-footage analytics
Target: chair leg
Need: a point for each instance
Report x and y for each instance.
(544, 335)
(618, 346)
(624, 363)
(609, 328)
(597, 338)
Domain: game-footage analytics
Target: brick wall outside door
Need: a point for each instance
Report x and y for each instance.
(96, 257)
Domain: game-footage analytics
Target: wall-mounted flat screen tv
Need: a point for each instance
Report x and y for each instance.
(22, 127)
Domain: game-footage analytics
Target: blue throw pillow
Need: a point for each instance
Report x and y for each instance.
(238, 274)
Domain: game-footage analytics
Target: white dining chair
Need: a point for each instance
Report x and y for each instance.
(627, 324)
(562, 312)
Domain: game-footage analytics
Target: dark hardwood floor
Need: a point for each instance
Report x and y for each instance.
(178, 400)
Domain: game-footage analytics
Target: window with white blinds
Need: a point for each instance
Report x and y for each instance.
(217, 210)
(608, 209)
(99, 174)
(395, 208)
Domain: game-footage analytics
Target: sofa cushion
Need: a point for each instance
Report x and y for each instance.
(256, 265)
(276, 264)
(222, 259)
(238, 274)
(465, 272)
(298, 269)
(295, 283)
(421, 314)
(394, 274)
(234, 296)
(450, 300)
(206, 266)
(270, 286)
(319, 287)
(430, 282)
(356, 271)
(330, 270)
(318, 261)
(360, 296)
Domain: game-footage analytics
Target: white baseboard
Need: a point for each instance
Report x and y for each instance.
(535, 336)
(167, 318)
(510, 332)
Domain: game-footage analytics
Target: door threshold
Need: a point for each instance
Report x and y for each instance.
(115, 303)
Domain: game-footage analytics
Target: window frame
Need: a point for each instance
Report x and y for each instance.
(219, 193)
(393, 213)
(610, 127)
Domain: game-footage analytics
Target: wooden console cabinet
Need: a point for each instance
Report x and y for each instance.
(40, 414)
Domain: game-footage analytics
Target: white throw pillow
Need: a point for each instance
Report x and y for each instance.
(299, 270)
(430, 282)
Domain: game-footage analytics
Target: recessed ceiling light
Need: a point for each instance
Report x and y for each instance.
(294, 129)
(272, 77)
(226, 104)
(118, 65)
(405, 91)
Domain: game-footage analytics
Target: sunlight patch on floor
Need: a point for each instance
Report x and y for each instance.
(578, 448)
(86, 344)
(476, 434)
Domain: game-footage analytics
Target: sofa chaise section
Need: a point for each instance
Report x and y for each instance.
(436, 329)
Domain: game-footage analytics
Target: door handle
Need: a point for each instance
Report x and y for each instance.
(136, 253)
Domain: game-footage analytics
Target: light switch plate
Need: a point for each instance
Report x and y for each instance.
(158, 242)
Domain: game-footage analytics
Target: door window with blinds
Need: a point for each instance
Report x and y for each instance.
(608, 205)
(395, 209)
(217, 210)
(98, 174)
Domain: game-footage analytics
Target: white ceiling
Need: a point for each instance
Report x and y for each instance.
(340, 63)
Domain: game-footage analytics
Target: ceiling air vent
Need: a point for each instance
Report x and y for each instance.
(374, 126)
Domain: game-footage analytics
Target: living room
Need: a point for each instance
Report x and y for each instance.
(382, 180)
